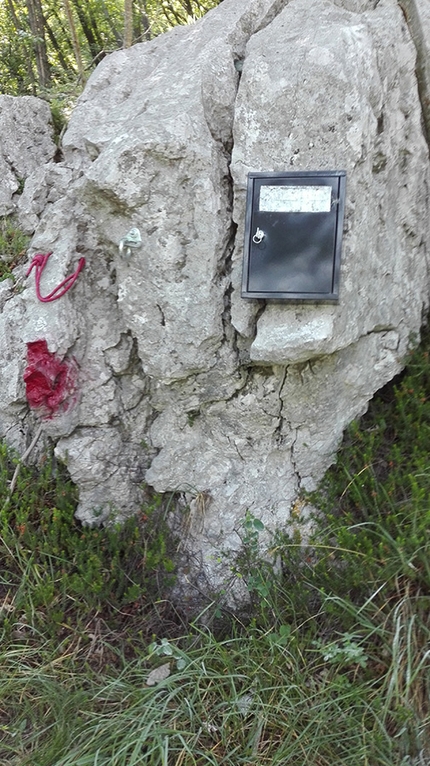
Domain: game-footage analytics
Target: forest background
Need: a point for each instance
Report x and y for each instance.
(49, 48)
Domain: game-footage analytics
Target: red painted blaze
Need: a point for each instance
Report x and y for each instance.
(50, 383)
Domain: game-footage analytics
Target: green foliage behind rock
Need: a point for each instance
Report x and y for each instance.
(41, 51)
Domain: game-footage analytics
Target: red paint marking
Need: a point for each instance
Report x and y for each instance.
(38, 263)
(50, 383)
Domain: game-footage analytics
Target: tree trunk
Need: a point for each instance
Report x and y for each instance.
(75, 39)
(141, 23)
(128, 23)
(37, 26)
(56, 46)
(93, 42)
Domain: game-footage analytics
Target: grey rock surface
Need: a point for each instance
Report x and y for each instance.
(234, 404)
(26, 145)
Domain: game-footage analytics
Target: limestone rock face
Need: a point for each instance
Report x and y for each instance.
(235, 404)
(26, 144)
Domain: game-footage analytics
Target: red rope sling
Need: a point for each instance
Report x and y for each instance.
(38, 263)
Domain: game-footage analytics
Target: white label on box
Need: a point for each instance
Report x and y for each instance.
(295, 199)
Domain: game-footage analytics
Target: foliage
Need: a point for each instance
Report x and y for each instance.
(46, 46)
(346, 651)
(52, 562)
(13, 246)
(248, 565)
(237, 701)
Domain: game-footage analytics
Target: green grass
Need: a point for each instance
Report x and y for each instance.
(330, 668)
(13, 246)
(241, 700)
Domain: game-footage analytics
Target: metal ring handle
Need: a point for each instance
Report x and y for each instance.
(258, 236)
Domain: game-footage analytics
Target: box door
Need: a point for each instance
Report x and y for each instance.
(292, 232)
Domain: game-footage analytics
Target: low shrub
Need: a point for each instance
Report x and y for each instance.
(55, 570)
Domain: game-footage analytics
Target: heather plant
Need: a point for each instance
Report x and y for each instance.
(62, 563)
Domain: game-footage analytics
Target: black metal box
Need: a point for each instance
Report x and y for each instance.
(293, 235)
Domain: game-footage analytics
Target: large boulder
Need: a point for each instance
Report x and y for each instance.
(236, 405)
